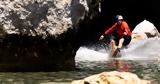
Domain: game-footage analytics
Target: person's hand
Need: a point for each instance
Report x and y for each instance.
(101, 37)
(125, 33)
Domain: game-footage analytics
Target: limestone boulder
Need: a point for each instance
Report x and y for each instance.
(144, 30)
(113, 77)
(42, 17)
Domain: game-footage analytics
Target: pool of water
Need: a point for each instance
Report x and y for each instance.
(148, 69)
(142, 59)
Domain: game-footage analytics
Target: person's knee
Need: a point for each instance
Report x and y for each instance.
(121, 40)
(112, 40)
(127, 41)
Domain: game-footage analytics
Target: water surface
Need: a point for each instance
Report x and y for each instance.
(142, 58)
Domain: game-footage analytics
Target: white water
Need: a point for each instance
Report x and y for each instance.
(148, 49)
(86, 54)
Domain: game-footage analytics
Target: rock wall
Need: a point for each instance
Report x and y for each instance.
(40, 35)
(35, 17)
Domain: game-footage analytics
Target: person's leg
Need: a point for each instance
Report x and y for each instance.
(127, 40)
(113, 44)
(120, 43)
(117, 48)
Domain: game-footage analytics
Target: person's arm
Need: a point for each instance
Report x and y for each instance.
(126, 28)
(107, 32)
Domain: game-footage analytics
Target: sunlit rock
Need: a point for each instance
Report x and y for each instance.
(144, 30)
(113, 77)
(41, 17)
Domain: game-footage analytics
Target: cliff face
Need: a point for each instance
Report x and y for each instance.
(40, 35)
(42, 17)
(35, 17)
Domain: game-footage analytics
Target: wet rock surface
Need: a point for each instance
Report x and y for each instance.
(113, 77)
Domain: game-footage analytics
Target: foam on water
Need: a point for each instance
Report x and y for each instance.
(86, 54)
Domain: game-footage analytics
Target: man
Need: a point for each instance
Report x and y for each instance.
(120, 33)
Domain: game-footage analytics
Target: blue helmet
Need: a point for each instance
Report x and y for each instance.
(119, 17)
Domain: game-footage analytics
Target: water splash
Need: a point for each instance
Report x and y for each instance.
(141, 58)
(88, 54)
(147, 49)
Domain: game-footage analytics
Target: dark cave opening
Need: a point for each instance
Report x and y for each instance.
(133, 11)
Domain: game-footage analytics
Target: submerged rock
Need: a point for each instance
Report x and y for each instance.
(113, 77)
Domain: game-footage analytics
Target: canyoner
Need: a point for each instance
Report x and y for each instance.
(119, 34)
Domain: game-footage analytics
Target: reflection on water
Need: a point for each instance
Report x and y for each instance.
(145, 64)
(145, 69)
(149, 70)
(121, 65)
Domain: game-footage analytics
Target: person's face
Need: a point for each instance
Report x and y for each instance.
(119, 22)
